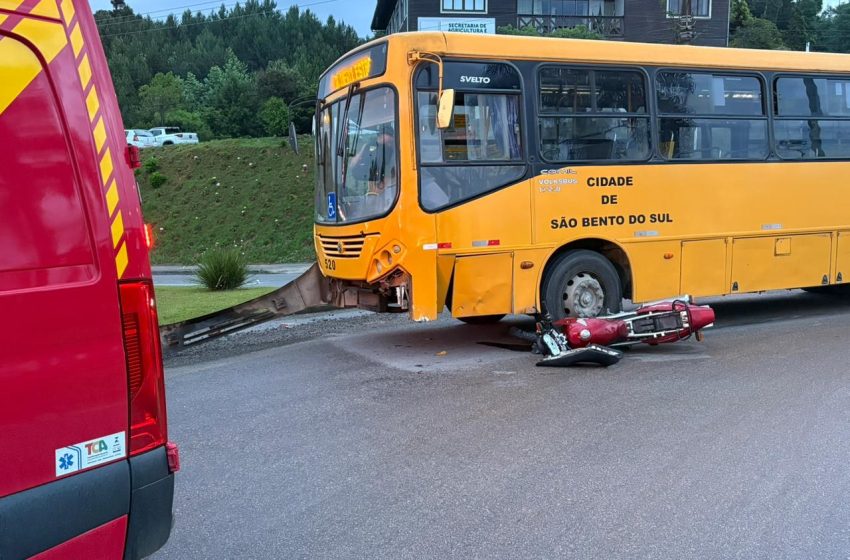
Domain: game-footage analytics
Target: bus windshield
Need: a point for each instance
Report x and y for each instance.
(357, 157)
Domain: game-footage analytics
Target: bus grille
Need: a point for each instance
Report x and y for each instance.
(342, 247)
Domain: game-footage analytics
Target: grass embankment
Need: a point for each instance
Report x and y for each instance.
(176, 304)
(253, 194)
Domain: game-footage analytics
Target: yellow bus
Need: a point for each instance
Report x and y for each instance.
(495, 174)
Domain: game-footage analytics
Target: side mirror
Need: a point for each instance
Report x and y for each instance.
(293, 138)
(445, 108)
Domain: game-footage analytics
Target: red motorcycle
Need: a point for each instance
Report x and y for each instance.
(595, 340)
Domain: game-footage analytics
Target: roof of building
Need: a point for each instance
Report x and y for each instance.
(383, 13)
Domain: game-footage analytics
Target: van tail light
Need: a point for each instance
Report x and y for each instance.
(133, 157)
(149, 238)
(135, 138)
(145, 375)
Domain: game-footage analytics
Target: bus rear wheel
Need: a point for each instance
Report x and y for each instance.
(581, 283)
(482, 319)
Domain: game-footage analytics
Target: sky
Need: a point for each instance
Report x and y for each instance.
(357, 13)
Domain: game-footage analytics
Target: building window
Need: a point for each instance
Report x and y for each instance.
(473, 6)
(562, 7)
(696, 8)
(398, 21)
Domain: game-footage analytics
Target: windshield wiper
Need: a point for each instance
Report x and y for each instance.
(342, 149)
(343, 133)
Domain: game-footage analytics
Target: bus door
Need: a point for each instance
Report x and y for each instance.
(471, 176)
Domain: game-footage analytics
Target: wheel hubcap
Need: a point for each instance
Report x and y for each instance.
(584, 296)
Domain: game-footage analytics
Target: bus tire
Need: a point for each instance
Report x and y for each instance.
(581, 283)
(482, 319)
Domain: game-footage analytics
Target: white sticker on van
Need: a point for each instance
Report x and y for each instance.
(90, 453)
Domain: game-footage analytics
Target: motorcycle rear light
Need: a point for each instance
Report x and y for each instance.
(145, 375)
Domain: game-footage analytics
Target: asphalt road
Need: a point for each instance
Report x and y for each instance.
(386, 439)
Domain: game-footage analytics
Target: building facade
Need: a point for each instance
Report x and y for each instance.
(697, 22)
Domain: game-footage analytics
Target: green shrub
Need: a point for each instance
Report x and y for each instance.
(157, 179)
(222, 269)
(151, 165)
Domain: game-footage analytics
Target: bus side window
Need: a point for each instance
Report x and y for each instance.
(704, 116)
(810, 117)
(592, 115)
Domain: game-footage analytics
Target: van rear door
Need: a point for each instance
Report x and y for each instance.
(63, 378)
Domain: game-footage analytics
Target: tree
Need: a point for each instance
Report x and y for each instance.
(526, 31)
(163, 94)
(577, 32)
(275, 117)
(279, 79)
(758, 33)
(231, 98)
(739, 14)
(834, 29)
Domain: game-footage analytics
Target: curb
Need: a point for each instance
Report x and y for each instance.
(281, 268)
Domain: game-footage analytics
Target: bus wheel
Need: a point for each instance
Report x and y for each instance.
(482, 319)
(581, 283)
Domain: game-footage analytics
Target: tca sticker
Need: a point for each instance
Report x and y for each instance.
(87, 454)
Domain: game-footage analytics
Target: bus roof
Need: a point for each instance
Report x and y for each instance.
(618, 52)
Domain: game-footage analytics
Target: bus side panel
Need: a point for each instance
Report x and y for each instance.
(770, 263)
(704, 267)
(483, 285)
(842, 268)
(492, 222)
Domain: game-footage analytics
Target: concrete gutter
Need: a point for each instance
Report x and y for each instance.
(280, 268)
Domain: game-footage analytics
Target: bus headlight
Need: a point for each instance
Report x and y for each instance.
(385, 259)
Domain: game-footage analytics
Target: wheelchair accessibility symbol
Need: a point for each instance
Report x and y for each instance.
(331, 206)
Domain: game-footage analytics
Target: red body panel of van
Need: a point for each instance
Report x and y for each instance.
(82, 412)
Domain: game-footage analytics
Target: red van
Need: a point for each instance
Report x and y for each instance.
(86, 470)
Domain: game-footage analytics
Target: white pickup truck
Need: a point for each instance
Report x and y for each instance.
(168, 135)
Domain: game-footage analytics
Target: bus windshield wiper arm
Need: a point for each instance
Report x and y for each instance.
(343, 132)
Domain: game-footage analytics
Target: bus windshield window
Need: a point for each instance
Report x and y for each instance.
(485, 129)
(358, 180)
